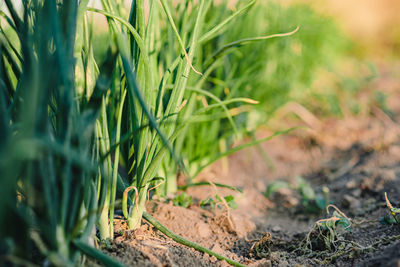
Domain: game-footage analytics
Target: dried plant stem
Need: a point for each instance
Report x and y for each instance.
(228, 213)
(390, 206)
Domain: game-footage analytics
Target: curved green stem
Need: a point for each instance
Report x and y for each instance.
(186, 186)
(138, 38)
(245, 41)
(186, 242)
(135, 216)
(178, 37)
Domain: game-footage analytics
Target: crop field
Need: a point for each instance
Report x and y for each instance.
(199, 133)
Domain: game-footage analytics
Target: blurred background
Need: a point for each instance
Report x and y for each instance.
(341, 47)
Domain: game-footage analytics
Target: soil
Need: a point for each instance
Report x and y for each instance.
(351, 161)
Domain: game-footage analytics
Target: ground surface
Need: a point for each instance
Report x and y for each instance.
(354, 160)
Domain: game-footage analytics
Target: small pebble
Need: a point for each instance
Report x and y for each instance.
(356, 193)
(351, 185)
(276, 229)
(351, 202)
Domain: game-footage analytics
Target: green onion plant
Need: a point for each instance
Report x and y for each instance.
(162, 69)
(48, 117)
(82, 136)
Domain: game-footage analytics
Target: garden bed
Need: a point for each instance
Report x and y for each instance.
(356, 159)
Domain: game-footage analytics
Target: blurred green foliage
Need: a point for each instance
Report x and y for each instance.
(183, 200)
(284, 69)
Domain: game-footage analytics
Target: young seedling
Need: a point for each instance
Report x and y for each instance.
(393, 211)
(324, 234)
(219, 202)
(182, 200)
(311, 201)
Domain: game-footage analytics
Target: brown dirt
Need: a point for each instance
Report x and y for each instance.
(356, 158)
